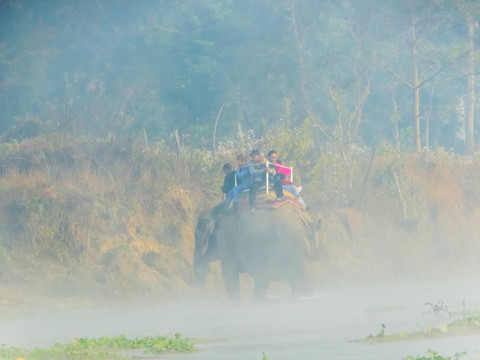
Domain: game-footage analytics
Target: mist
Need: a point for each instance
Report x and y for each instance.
(119, 68)
(116, 118)
(327, 325)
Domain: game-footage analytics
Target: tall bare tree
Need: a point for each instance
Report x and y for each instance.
(470, 118)
(415, 85)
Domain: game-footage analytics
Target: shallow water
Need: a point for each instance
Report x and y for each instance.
(321, 327)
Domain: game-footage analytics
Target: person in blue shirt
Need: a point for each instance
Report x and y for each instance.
(229, 179)
(242, 175)
(258, 170)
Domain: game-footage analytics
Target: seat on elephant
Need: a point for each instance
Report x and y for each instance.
(268, 201)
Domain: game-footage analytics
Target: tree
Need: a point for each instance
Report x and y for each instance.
(469, 12)
(427, 31)
(358, 75)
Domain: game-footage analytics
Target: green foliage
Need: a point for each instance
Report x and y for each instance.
(293, 144)
(468, 322)
(381, 333)
(471, 323)
(262, 60)
(102, 348)
(433, 355)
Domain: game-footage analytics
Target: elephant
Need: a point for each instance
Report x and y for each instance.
(269, 245)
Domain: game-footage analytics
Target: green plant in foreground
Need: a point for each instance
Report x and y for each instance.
(458, 326)
(433, 355)
(381, 333)
(471, 322)
(102, 348)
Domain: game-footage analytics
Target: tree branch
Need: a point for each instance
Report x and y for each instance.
(215, 128)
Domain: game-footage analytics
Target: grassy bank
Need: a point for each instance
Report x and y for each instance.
(104, 218)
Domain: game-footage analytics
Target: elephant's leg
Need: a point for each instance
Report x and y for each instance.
(231, 280)
(260, 289)
(304, 287)
(300, 281)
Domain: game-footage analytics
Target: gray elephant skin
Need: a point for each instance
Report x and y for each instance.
(269, 245)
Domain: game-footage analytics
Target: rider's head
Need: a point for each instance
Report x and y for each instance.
(256, 156)
(241, 159)
(227, 168)
(272, 156)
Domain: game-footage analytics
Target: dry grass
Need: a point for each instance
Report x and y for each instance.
(418, 220)
(110, 218)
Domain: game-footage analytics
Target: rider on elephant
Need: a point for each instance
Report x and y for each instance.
(283, 172)
(258, 169)
(229, 179)
(242, 175)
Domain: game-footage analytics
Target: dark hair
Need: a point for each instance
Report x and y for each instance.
(242, 157)
(227, 166)
(255, 152)
(271, 152)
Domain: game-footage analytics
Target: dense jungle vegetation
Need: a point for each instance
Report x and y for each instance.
(116, 117)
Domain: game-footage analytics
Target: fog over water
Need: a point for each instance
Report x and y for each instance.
(321, 327)
(188, 78)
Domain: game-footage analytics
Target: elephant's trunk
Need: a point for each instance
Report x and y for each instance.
(201, 274)
(200, 267)
(314, 246)
(204, 248)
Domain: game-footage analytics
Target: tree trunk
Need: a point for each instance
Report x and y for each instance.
(299, 41)
(469, 119)
(395, 118)
(416, 88)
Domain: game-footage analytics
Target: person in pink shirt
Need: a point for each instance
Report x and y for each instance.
(283, 173)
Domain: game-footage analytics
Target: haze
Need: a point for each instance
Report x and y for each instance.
(116, 118)
(118, 67)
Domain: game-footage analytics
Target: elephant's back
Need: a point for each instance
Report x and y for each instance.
(279, 231)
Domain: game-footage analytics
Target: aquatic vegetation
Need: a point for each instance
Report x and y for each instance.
(470, 324)
(381, 333)
(433, 355)
(108, 348)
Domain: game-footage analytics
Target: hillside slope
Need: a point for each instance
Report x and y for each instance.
(106, 219)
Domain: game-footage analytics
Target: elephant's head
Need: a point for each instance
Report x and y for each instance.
(205, 249)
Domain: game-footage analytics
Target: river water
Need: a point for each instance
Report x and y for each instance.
(285, 327)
